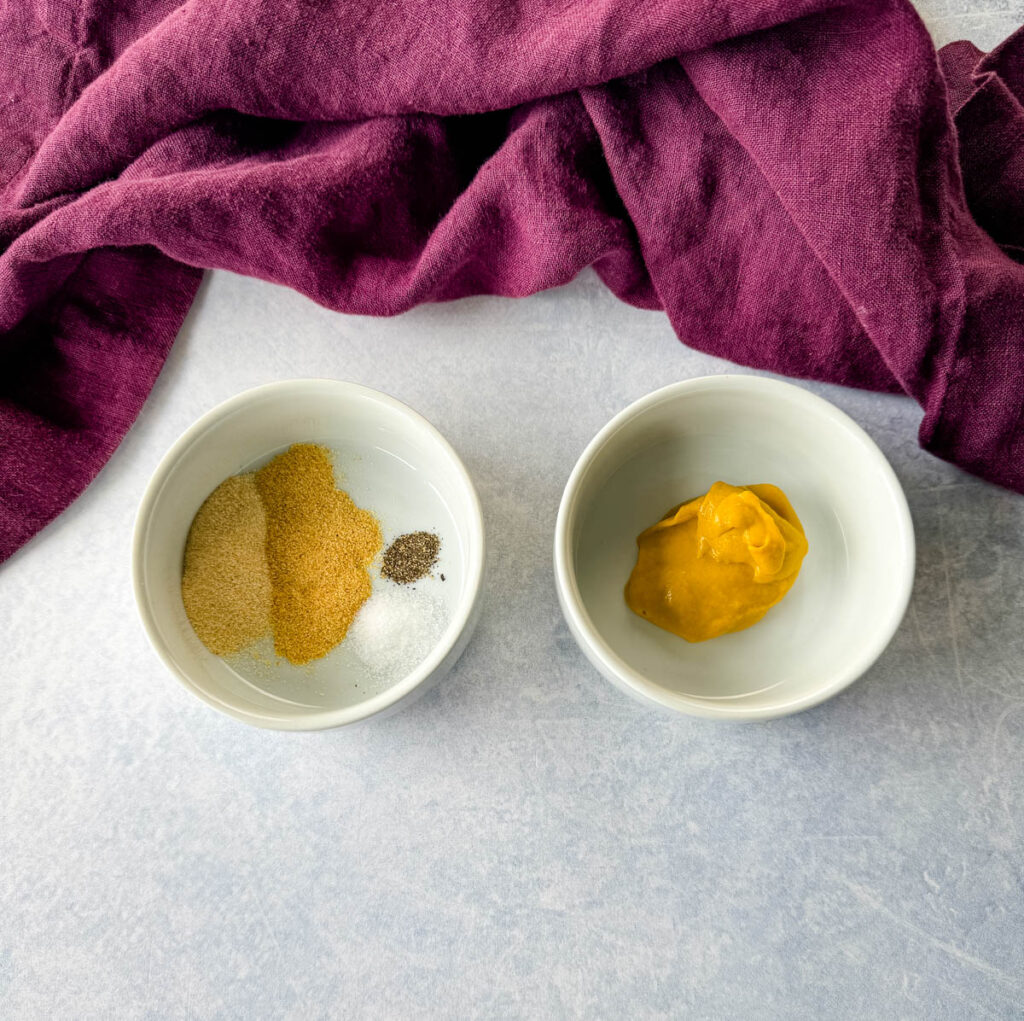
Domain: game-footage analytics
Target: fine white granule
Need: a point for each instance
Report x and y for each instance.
(395, 630)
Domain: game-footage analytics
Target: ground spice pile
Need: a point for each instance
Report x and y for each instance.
(225, 584)
(319, 546)
(410, 557)
(302, 574)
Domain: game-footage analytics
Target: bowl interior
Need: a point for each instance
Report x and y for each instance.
(390, 461)
(852, 588)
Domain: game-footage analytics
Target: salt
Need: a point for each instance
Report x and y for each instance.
(395, 630)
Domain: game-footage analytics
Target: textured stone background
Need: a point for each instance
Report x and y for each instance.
(524, 842)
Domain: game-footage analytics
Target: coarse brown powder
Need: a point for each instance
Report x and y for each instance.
(225, 582)
(318, 547)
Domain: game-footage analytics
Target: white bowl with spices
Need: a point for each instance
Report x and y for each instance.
(670, 446)
(390, 461)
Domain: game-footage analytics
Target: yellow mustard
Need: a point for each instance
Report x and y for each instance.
(718, 563)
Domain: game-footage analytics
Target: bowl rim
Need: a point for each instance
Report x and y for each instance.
(462, 616)
(613, 666)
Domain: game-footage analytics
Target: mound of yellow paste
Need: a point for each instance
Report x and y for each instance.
(719, 563)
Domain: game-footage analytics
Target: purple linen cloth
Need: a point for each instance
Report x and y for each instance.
(796, 183)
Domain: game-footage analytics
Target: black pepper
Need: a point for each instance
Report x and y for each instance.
(410, 557)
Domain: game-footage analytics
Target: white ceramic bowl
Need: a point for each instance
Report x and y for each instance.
(392, 462)
(671, 445)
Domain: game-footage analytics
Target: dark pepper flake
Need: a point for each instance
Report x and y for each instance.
(410, 557)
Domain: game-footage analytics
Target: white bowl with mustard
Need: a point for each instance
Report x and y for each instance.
(800, 602)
